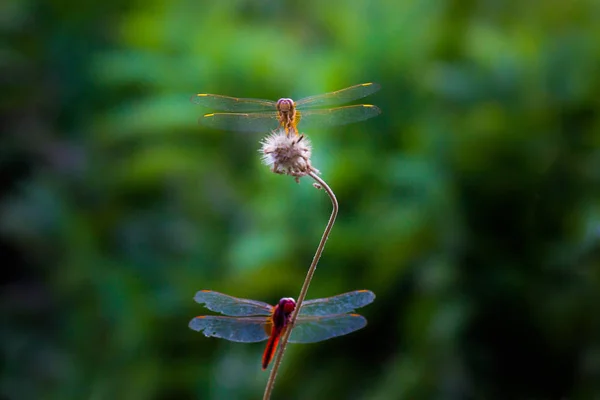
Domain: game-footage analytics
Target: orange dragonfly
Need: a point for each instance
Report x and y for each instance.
(252, 321)
(255, 115)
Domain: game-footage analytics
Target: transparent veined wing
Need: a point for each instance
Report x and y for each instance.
(340, 304)
(229, 305)
(315, 329)
(245, 330)
(315, 119)
(243, 122)
(339, 96)
(227, 103)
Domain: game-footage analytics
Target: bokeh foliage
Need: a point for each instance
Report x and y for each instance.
(471, 206)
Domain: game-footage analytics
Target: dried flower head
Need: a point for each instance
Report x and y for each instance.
(287, 154)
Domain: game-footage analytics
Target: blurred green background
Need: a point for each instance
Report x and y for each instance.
(470, 206)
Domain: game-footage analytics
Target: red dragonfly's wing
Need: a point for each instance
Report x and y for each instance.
(233, 306)
(339, 96)
(235, 104)
(243, 329)
(340, 304)
(316, 119)
(243, 122)
(310, 329)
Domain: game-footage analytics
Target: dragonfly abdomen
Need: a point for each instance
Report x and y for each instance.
(271, 347)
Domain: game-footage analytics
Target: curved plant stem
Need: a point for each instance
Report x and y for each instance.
(304, 290)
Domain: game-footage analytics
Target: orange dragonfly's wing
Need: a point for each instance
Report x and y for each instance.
(310, 329)
(232, 306)
(338, 97)
(242, 329)
(340, 304)
(235, 104)
(315, 119)
(244, 122)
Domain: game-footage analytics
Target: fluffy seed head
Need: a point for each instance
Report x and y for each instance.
(287, 154)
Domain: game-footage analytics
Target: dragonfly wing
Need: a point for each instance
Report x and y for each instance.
(226, 103)
(340, 304)
(339, 97)
(244, 122)
(233, 306)
(315, 119)
(246, 330)
(316, 329)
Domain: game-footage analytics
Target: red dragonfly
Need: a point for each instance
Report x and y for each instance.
(251, 321)
(255, 115)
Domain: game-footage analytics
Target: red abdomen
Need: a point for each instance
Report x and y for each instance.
(271, 347)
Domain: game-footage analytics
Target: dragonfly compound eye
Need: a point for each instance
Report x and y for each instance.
(287, 304)
(285, 105)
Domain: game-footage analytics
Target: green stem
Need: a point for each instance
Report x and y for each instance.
(304, 290)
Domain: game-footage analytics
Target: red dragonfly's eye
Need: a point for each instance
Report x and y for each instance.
(289, 307)
(287, 304)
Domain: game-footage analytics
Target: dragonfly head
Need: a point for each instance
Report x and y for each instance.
(285, 105)
(287, 304)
